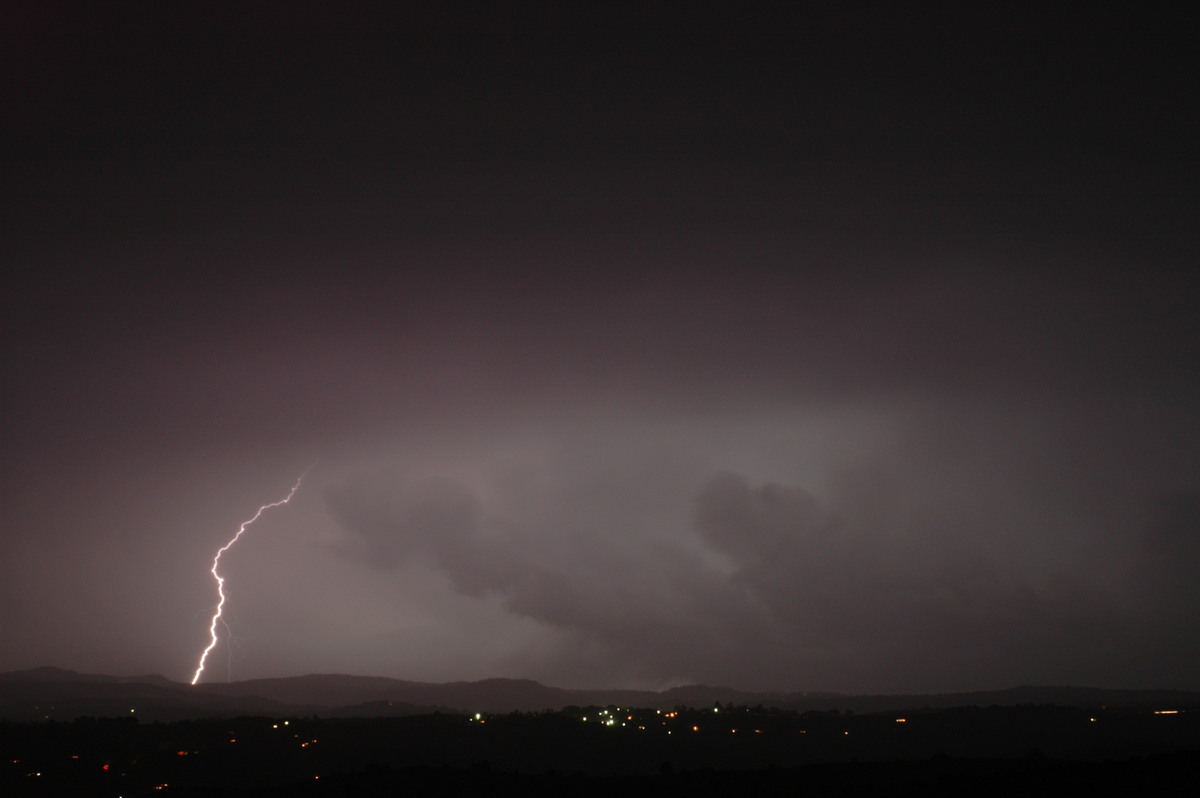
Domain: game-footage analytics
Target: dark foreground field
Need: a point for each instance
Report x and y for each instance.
(1020, 750)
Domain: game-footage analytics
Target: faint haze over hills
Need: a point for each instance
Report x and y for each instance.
(52, 693)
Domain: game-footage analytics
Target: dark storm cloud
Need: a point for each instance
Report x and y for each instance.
(763, 584)
(835, 581)
(782, 347)
(909, 478)
(633, 593)
(437, 517)
(1170, 548)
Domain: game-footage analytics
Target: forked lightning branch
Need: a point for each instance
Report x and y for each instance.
(220, 608)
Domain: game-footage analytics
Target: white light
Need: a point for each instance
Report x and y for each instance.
(212, 627)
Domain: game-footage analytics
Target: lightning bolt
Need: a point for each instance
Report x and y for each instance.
(217, 619)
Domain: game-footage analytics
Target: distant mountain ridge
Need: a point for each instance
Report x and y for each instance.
(47, 693)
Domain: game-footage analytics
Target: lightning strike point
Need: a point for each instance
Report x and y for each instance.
(217, 619)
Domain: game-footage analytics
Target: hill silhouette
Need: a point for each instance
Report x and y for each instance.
(53, 693)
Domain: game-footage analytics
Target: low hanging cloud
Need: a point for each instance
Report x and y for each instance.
(753, 584)
(832, 582)
(624, 591)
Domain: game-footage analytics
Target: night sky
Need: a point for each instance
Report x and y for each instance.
(788, 347)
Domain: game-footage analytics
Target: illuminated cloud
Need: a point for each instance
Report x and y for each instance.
(784, 348)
